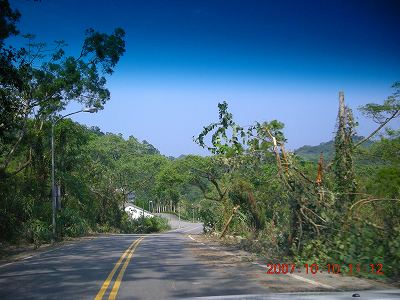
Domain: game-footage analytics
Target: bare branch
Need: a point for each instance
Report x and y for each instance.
(368, 200)
(394, 115)
(23, 166)
(368, 223)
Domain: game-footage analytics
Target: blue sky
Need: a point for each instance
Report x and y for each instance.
(284, 60)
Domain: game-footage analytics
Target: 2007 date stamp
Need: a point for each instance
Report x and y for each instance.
(313, 269)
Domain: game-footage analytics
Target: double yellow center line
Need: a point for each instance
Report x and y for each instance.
(128, 255)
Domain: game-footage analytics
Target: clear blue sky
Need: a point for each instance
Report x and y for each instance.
(284, 60)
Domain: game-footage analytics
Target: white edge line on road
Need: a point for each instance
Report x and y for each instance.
(60, 247)
(176, 229)
(310, 281)
(28, 257)
(7, 264)
(313, 282)
(47, 251)
(191, 229)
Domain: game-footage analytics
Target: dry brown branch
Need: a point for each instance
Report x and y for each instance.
(284, 157)
(229, 220)
(310, 221)
(368, 200)
(303, 175)
(369, 223)
(315, 214)
(320, 169)
(24, 165)
(278, 158)
(301, 231)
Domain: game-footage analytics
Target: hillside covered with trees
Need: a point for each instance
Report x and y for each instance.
(312, 153)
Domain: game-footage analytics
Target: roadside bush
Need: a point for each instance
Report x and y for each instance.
(7, 221)
(314, 251)
(39, 232)
(366, 245)
(127, 224)
(210, 214)
(159, 224)
(149, 225)
(107, 228)
(72, 224)
(394, 254)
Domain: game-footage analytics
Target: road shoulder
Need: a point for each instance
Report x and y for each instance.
(228, 256)
(11, 253)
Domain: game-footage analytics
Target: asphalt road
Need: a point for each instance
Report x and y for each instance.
(182, 226)
(157, 266)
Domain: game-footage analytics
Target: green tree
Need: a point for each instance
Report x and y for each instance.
(8, 72)
(59, 79)
(384, 113)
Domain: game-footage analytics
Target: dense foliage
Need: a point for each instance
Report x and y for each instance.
(95, 171)
(37, 82)
(344, 209)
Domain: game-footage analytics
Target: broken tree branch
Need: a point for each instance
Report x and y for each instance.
(229, 220)
(394, 115)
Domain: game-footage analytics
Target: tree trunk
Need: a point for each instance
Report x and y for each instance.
(229, 220)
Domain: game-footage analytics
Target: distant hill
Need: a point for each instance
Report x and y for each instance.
(311, 153)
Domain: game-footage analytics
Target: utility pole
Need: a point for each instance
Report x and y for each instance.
(53, 180)
(53, 184)
(179, 215)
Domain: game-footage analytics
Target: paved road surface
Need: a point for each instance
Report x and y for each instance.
(181, 225)
(157, 266)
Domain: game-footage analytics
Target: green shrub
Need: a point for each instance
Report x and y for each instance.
(127, 224)
(364, 245)
(314, 251)
(39, 232)
(158, 224)
(72, 224)
(394, 254)
(146, 225)
(107, 228)
(7, 223)
(210, 214)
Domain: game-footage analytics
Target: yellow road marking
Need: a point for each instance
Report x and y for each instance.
(106, 283)
(117, 282)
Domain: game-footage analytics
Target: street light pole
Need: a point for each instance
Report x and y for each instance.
(53, 184)
(53, 180)
(179, 215)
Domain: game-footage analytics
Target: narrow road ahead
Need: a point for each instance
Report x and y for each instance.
(157, 266)
(161, 266)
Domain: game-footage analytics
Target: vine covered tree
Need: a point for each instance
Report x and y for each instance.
(343, 165)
